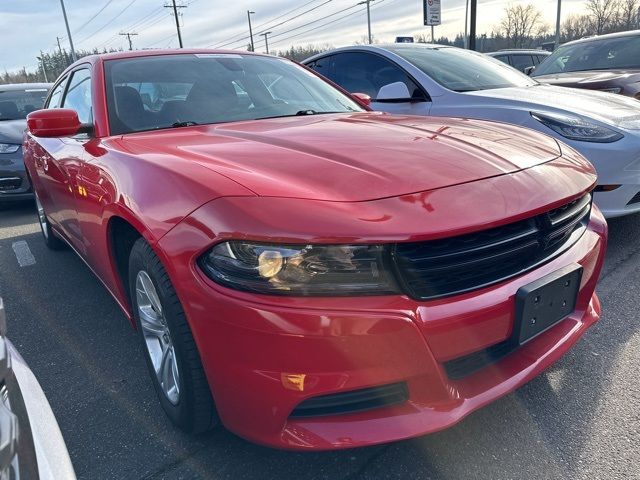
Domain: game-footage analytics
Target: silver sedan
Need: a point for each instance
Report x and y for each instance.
(422, 79)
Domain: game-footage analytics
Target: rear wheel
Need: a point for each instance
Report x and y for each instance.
(50, 239)
(170, 350)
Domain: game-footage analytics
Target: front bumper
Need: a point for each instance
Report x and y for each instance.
(249, 345)
(617, 163)
(14, 183)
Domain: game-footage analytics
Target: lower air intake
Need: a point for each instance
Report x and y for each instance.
(354, 401)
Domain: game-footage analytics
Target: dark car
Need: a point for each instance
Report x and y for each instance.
(520, 59)
(16, 102)
(609, 63)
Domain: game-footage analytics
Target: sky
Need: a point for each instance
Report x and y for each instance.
(29, 26)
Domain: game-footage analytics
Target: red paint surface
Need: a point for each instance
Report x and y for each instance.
(360, 178)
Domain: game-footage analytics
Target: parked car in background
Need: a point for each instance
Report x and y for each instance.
(520, 59)
(31, 445)
(307, 272)
(608, 63)
(16, 102)
(422, 79)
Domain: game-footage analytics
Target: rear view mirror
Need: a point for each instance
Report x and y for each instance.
(56, 122)
(529, 70)
(362, 98)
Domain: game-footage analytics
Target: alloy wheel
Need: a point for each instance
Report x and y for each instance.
(42, 217)
(157, 337)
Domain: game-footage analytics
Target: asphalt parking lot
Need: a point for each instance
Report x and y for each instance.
(580, 419)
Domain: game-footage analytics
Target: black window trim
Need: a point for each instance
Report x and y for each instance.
(87, 128)
(427, 97)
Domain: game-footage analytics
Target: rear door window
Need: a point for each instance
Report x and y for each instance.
(521, 61)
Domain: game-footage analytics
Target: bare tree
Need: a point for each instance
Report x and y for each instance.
(603, 13)
(628, 13)
(521, 24)
(576, 26)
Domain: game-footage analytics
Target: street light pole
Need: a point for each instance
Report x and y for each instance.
(66, 22)
(466, 25)
(558, 25)
(249, 13)
(472, 25)
(266, 40)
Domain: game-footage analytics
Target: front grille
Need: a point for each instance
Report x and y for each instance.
(454, 265)
(635, 199)
(354, 401)
(10, 183)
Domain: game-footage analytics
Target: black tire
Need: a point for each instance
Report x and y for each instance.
(195, 410)
(50, 238)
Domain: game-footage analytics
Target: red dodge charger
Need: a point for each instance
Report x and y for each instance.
(309, 273)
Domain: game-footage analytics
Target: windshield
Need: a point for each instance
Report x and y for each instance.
(462, 70)
(180, 90)
(605, 54)
(17, 104)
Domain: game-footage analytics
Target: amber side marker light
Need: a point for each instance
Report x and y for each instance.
(293, 381)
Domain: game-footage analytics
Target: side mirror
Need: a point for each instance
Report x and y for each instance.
(56, 122)
(362, 98)
(397, 92)
(529, 70)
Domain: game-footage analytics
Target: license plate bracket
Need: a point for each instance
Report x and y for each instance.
(545, 302)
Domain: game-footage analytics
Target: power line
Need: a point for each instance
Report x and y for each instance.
(314, 21)
(235, 38)
(279, 24)
(113, 19)
(332, 22)
(93, 17)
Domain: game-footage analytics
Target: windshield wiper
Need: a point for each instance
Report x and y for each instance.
(183, 124)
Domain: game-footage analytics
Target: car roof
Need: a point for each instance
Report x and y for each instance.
(9, 87)
(378, 47)
(510, 51)
(160, 52)
(628, 33)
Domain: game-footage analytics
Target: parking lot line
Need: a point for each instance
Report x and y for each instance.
(23, 253)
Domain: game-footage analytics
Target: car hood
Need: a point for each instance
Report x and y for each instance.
(351, 157)
(590, 77)
(608, 108)
(11, 131)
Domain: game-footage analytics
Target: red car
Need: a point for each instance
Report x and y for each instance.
(311, 274)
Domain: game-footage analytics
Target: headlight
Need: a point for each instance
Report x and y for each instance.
(9, 148)
(575, 128)
(610, 90)
(309, 270)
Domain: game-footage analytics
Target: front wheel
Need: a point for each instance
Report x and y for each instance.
(50, 239)
(170, 350)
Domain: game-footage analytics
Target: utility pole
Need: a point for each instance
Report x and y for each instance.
(266, 41)
(558, 25)
(66, 22)
(472, 24)
(175, 14)
(249, 13)
(128, 35)
(368, 4)
(59, 47)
